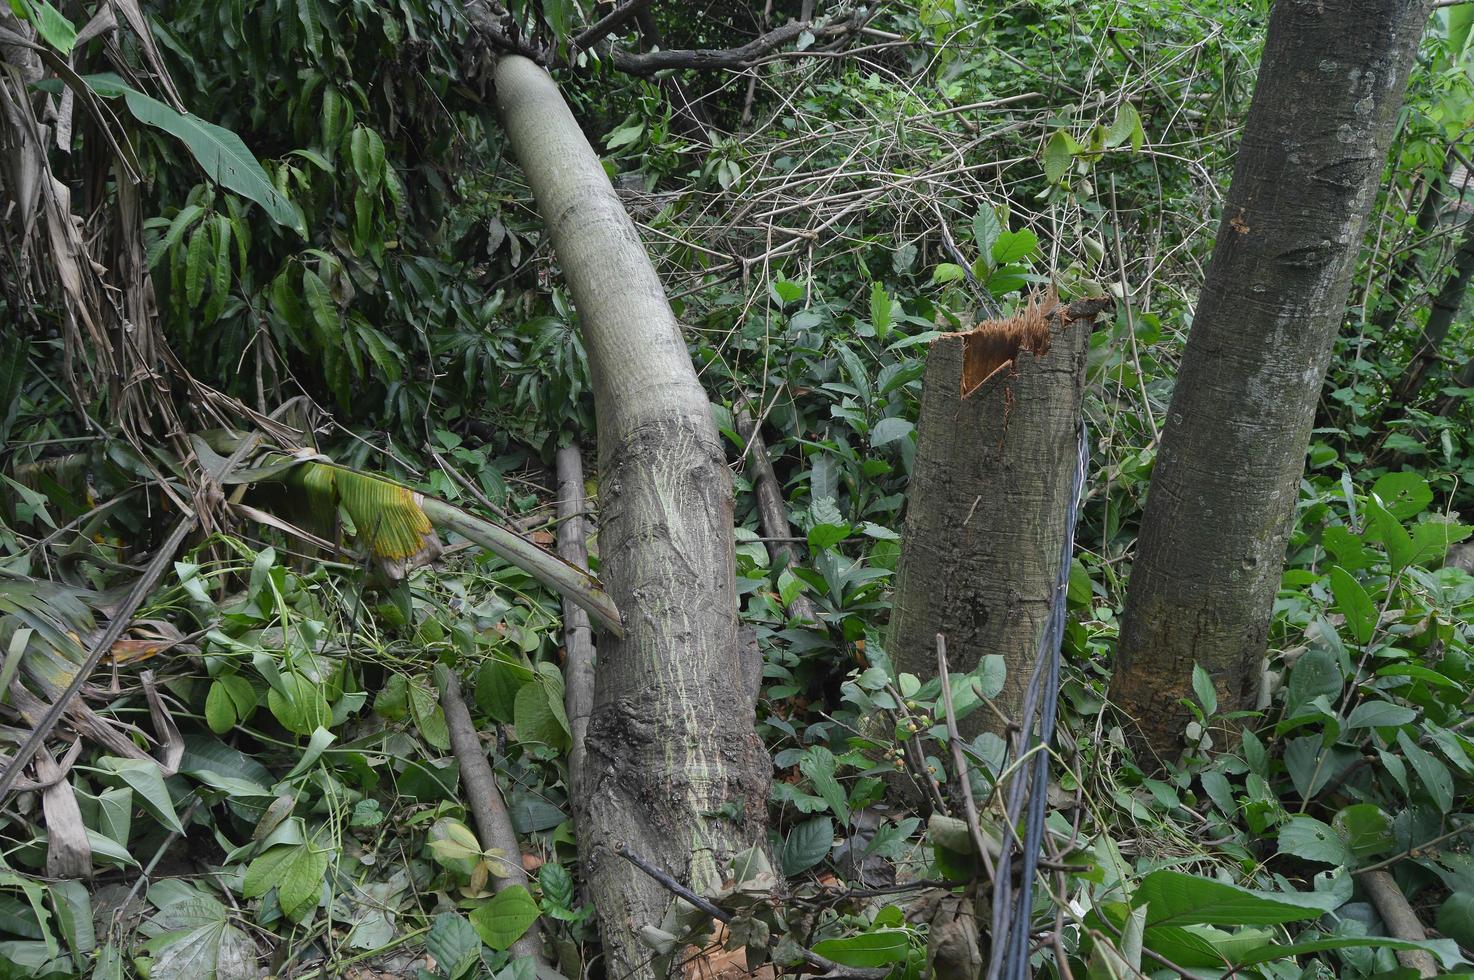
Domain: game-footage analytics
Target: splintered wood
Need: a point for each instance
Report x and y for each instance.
(994, 345)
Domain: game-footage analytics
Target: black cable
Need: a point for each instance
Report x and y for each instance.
(1009, 956)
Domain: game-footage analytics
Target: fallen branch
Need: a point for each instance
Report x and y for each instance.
(485, 799)
(771, 510)
(1402, 922)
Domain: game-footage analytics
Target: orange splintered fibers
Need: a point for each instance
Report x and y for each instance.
(994, 345)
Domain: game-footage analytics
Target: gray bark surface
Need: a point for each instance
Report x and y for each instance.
(578, 635)
(986, 504)
(1212, 542)
(674, 768)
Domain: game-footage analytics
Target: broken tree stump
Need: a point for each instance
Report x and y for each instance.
(996, 453)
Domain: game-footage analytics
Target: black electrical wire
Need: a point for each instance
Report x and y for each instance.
(1009, 954)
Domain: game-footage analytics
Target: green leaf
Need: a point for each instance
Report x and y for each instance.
(889, 430)
(947, 272)
(880, 310)
(1126, 126)
(1058, 154)
(1445, 950)
(1380, 714)
(194, 939)
(218, 151)
(1353, 602)
(296, 871)
(1315, 674)
(1175, 898)
(506, 918)
(53, 26)
(1014, 246)
(300, 705)
(1405, 494)
(453, 942)
(538, 716)
(807, 844)
(869, 949)
(985, 229)
(1365, 828)
(1432, 773)
(820, 765)
(194, 265)
(823, 536)
(497, 684)
(1391, 533)
(1460, 18)
(1456, 918)
(219, 709)
(1310, 839)
(1203, 688)
(147, 782)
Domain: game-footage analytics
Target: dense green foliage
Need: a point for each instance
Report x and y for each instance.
(965, 154)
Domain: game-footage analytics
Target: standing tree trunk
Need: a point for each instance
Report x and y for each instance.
(674, 768)
(1403, 277)
(1445, 308)
(1212, 542)
(986, 508)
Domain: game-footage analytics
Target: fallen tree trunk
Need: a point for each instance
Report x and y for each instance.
(997, 450)
(674, 768)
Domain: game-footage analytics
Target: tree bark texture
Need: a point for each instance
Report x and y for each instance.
(985, 518)
(1212, 541)
(674, 768)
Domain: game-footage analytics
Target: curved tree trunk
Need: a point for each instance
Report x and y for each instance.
(1212, 543)
(674, 769)
(986, 508)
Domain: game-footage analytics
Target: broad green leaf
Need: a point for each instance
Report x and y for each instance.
(1460, 17)
(1432, 773)
(1380, 714)
(219, 709)
(822, 536)
(1058, 154)
(807, 844)
(506, 918)
(889, 430)
(1456, 918)
(1315, 674)
(300, 706)
(1444, 949)
(1014, 246)
(536, 718)
(1404, 494)
(948, 272)
(53, 26)
(195, 940)
(296, 871)
(869, 949)
(1126, 126)
(194, 265)
(218, 151)
(497, 683)
(1353, 603)
(985, 230)
(1391, 533)
(453, 942)
(1310, 839)
(147, 782)
(1205, 691)
(1175, 898)
(880, 310)
(1365, 828)
(321, 739)
(820, 765)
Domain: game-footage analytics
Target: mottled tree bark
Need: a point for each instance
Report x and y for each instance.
(1212, 542)
(985, 510)
(674, 768)
(578, 635)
